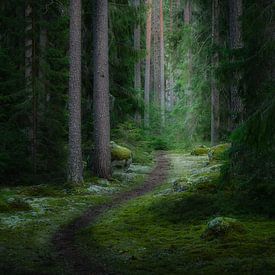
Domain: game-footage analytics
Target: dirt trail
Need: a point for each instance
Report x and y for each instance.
(64, 238)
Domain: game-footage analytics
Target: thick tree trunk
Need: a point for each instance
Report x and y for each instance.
(148, 65)
(162, 79)
(102, 157)
(29, 79)
(215, 96)
(235, 42)
(75, 153)
(158, 36)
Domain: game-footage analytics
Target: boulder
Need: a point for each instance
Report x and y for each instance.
(221, 227)
(217, 152)
(200, 151)
(121, 156)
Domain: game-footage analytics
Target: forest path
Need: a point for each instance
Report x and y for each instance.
(64, 238)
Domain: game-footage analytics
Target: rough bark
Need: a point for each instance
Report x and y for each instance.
(187, 22)
(137, 77)
(75, 174)
(162, 79)
(43, 40)
(235, 42)
(147, 65)
(137, 48)
(156, 49)
(215, 95)
(102, 155)
(170, 82)
(29, 80)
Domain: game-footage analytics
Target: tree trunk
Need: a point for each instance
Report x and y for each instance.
(75, 153)
(156, 49)
(187, 22)
(187, 12)
(43, 40)
(159, 82)
(137, 82)
(235, 42)
(102, 158)
(170, 86)
(137, 48)
(29, 80)
(162, 79)
(215, 96)
(148, 65)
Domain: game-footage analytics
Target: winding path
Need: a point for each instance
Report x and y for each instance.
(64, 238)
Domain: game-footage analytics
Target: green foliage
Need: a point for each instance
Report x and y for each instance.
(250, 172)
(135, 138)
(158, 144)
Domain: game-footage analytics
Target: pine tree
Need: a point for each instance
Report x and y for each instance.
(215, 96)
(75, 153)
(102, 155)
(162, 79)
(235, 42)
(148, 64)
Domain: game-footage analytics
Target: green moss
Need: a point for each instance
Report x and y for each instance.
(134, 239)
(160, 233)
(222, 227)
(119, 152)
(13, 205)
(218, 152)
(44, 190)
(200, 151)
(26, 236)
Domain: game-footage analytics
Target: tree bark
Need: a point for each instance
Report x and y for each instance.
(29, 80)
(187, 22)
(75, 173)
(170, 87)
(102, 157)
(43, 40)
(156, 49)
(137, 48)
(162, 79)
(148, 65)
(215, 95)
(137, 78)
(159, 81)
(235, 42)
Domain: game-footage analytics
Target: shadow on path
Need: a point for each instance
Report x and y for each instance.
(64, 238)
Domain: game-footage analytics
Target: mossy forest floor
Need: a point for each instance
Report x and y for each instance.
(160, 232)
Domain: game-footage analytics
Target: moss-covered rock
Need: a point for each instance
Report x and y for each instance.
(200, 151)
(217, 152)
(120, 153)
(221, 227)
